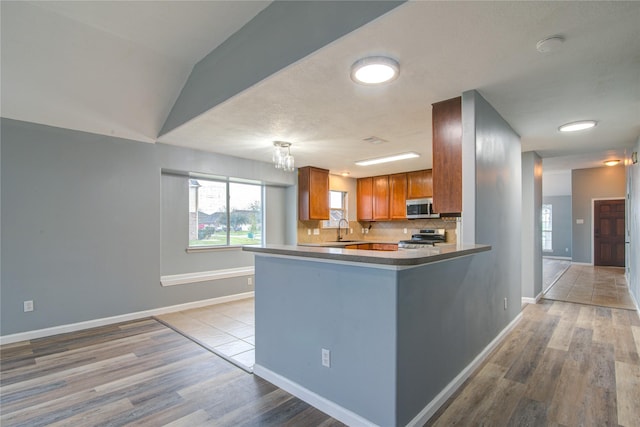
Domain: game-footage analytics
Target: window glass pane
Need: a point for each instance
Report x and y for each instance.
(336, 199)
(207, 213)
(245, 216)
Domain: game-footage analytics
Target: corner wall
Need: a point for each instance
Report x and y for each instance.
(633, 226)
(531, 225)
(588, 185)
(83, 226)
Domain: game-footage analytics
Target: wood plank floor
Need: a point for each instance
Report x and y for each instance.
(564, 364)
(552, 270)
(137, 373)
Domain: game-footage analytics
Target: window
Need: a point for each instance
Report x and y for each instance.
(337, 209)
(223, 213)
(547, 219)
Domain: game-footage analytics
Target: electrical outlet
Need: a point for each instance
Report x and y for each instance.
(505, 303)
(351, 231)
(28, 306)
(308, 232)
(326, 358)
(250, 281)
(316, 231)
(404, 231)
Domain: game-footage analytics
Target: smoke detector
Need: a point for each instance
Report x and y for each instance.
(550, 44)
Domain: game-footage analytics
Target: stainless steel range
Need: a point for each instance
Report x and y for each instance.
(427, 237)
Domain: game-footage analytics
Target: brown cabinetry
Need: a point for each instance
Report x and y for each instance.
(398, 196)
(313, 193)
(365, 199)
(419, 184)
(381, 197)
(447, 156)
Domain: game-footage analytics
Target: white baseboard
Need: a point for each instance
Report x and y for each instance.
(72, 327)
(528, 300)
(582, 263)
(447, 392)
(563, 258)
(325, 405)
(205, 276)
(352, 419)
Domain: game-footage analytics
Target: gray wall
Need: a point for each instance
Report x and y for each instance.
(587, 185)
(86, 225)
(633, 226)
(283, 33)
(498, 188)
(531, 224)
(561, 224)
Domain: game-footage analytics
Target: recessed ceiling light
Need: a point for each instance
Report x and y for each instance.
(576, 126)
(611, 162)
(374, 70)
(393, 158)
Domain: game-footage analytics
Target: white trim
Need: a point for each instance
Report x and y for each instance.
(325, 405)
(451, 388)
(564, 258)
(205, 276)
(352, 419)
(72, 327)
(528, 300)
(582, 263)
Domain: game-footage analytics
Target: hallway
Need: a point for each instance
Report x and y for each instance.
(584, 284)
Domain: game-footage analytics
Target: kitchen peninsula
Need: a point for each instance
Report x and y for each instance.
(370, 337)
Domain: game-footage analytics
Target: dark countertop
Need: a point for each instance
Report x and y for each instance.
(401, 257)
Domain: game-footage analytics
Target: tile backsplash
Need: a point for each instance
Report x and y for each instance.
(392, 231)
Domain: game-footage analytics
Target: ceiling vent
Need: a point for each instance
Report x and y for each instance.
(374, 140)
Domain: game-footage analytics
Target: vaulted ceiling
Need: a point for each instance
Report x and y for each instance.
(117, 68)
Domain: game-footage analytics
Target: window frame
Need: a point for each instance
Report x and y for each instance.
(329, 224)
(227, 181)
(547, 227)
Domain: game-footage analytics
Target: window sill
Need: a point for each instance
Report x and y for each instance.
(197, 249)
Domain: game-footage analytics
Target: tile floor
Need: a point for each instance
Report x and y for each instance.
(552, 270)
(225, 329)
(583, 284)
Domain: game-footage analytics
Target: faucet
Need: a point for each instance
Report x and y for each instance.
(339, 228)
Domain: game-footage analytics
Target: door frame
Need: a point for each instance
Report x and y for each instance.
(593, 224)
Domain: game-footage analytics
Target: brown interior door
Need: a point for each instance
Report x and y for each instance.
(608, 233)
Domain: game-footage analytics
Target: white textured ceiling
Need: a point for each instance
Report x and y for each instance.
(117, 67)
(108, 67)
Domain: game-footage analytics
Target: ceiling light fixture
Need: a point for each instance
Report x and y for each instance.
(576, 126)
(345, 174)
(611, 162)
(282, 158)
(374, 70)
(393, 158)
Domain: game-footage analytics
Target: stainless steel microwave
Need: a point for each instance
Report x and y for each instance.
(421, 208)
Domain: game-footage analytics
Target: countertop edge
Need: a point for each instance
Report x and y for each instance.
(408, 258)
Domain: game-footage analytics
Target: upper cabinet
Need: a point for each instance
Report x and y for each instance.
(398, 196)
(447, 156)
(419, 184)
(365, 199)
(381, 197)
(313, 193)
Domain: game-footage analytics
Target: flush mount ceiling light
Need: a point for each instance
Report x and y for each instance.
(393, 158)
(550, 44)
(282, 158)
(576, 126)
(611, 162)
(374, 70)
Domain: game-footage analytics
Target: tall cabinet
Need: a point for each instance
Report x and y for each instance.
(447, 156)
